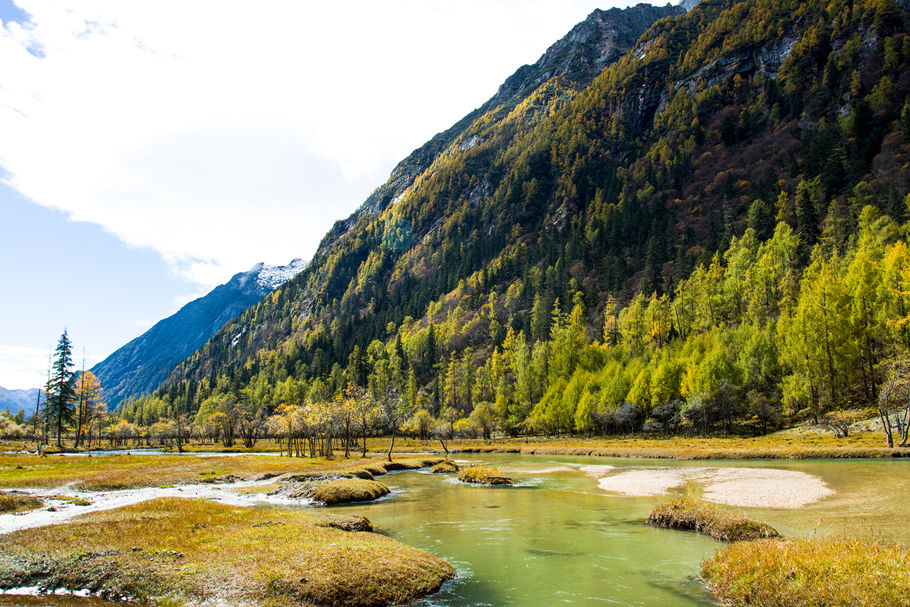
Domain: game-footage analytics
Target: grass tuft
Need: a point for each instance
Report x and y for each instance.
(331, 492)
(11, 501)
(375, 469)
(483, 475)
(445, 467)
(810, 572)
(711, 520)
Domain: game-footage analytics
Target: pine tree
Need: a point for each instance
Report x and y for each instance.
(62, 393)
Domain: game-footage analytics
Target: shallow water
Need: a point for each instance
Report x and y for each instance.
(559, 537)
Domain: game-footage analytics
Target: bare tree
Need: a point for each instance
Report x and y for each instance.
(443, 431)
(895, 397)
(250, 423)
(395, 411)
(365, 413)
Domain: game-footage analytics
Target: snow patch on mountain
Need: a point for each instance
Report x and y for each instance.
(272, 277)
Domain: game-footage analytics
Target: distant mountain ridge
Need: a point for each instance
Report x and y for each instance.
(13, 400)
(144, 362)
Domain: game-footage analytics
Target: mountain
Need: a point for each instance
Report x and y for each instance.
(625, 166)
(13, 400)
(144, 362)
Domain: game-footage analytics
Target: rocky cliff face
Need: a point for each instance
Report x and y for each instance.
(143, 363)
(610, 177)
(584, 52)
(580, 56)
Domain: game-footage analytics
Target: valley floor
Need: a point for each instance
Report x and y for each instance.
(169, 545)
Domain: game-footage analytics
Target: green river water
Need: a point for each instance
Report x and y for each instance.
(558, 539)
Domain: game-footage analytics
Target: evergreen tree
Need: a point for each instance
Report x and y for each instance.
(761, 219)
(60, 409)
(808, 195)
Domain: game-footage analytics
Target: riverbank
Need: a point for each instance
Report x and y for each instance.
(812, 571)
(804, 442)
(131, 471)
(771, 446)
(192, 550)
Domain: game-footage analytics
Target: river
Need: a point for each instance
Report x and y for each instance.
(559, 536)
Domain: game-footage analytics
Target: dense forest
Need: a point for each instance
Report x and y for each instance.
(709, 235)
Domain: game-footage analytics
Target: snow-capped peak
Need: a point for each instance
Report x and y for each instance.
(272, 277)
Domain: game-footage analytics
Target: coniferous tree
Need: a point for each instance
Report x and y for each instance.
(62, 393)
(761, 219)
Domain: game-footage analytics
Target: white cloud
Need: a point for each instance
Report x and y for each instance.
(225, 133)
(23, 368)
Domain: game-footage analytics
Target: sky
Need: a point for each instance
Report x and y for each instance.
(150, 150)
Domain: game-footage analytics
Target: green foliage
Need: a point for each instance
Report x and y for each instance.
(672, 234)
(60, 410)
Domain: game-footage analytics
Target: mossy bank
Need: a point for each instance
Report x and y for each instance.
(719, 523)
(200, 551)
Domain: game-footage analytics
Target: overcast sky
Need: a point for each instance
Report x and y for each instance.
(150, 150)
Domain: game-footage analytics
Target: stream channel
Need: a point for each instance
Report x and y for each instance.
(566, 534)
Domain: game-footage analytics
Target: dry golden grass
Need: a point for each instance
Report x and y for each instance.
(483, 475)
(331, 492)
(445, 467)
(18, 502)
(131, 471)
(200, 551)
(810, 573)
(719, 523)
(792, 444)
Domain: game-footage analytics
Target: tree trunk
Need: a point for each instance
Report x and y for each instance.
(391, 446)
(886, 426)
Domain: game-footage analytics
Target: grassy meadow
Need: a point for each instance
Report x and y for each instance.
(195, 550)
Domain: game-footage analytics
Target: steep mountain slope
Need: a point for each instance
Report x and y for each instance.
(577, 59)
(144, 362)
(584, 179)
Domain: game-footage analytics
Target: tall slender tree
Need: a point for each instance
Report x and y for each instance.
(61, 397)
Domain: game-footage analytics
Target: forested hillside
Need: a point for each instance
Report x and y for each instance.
(705, 230)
